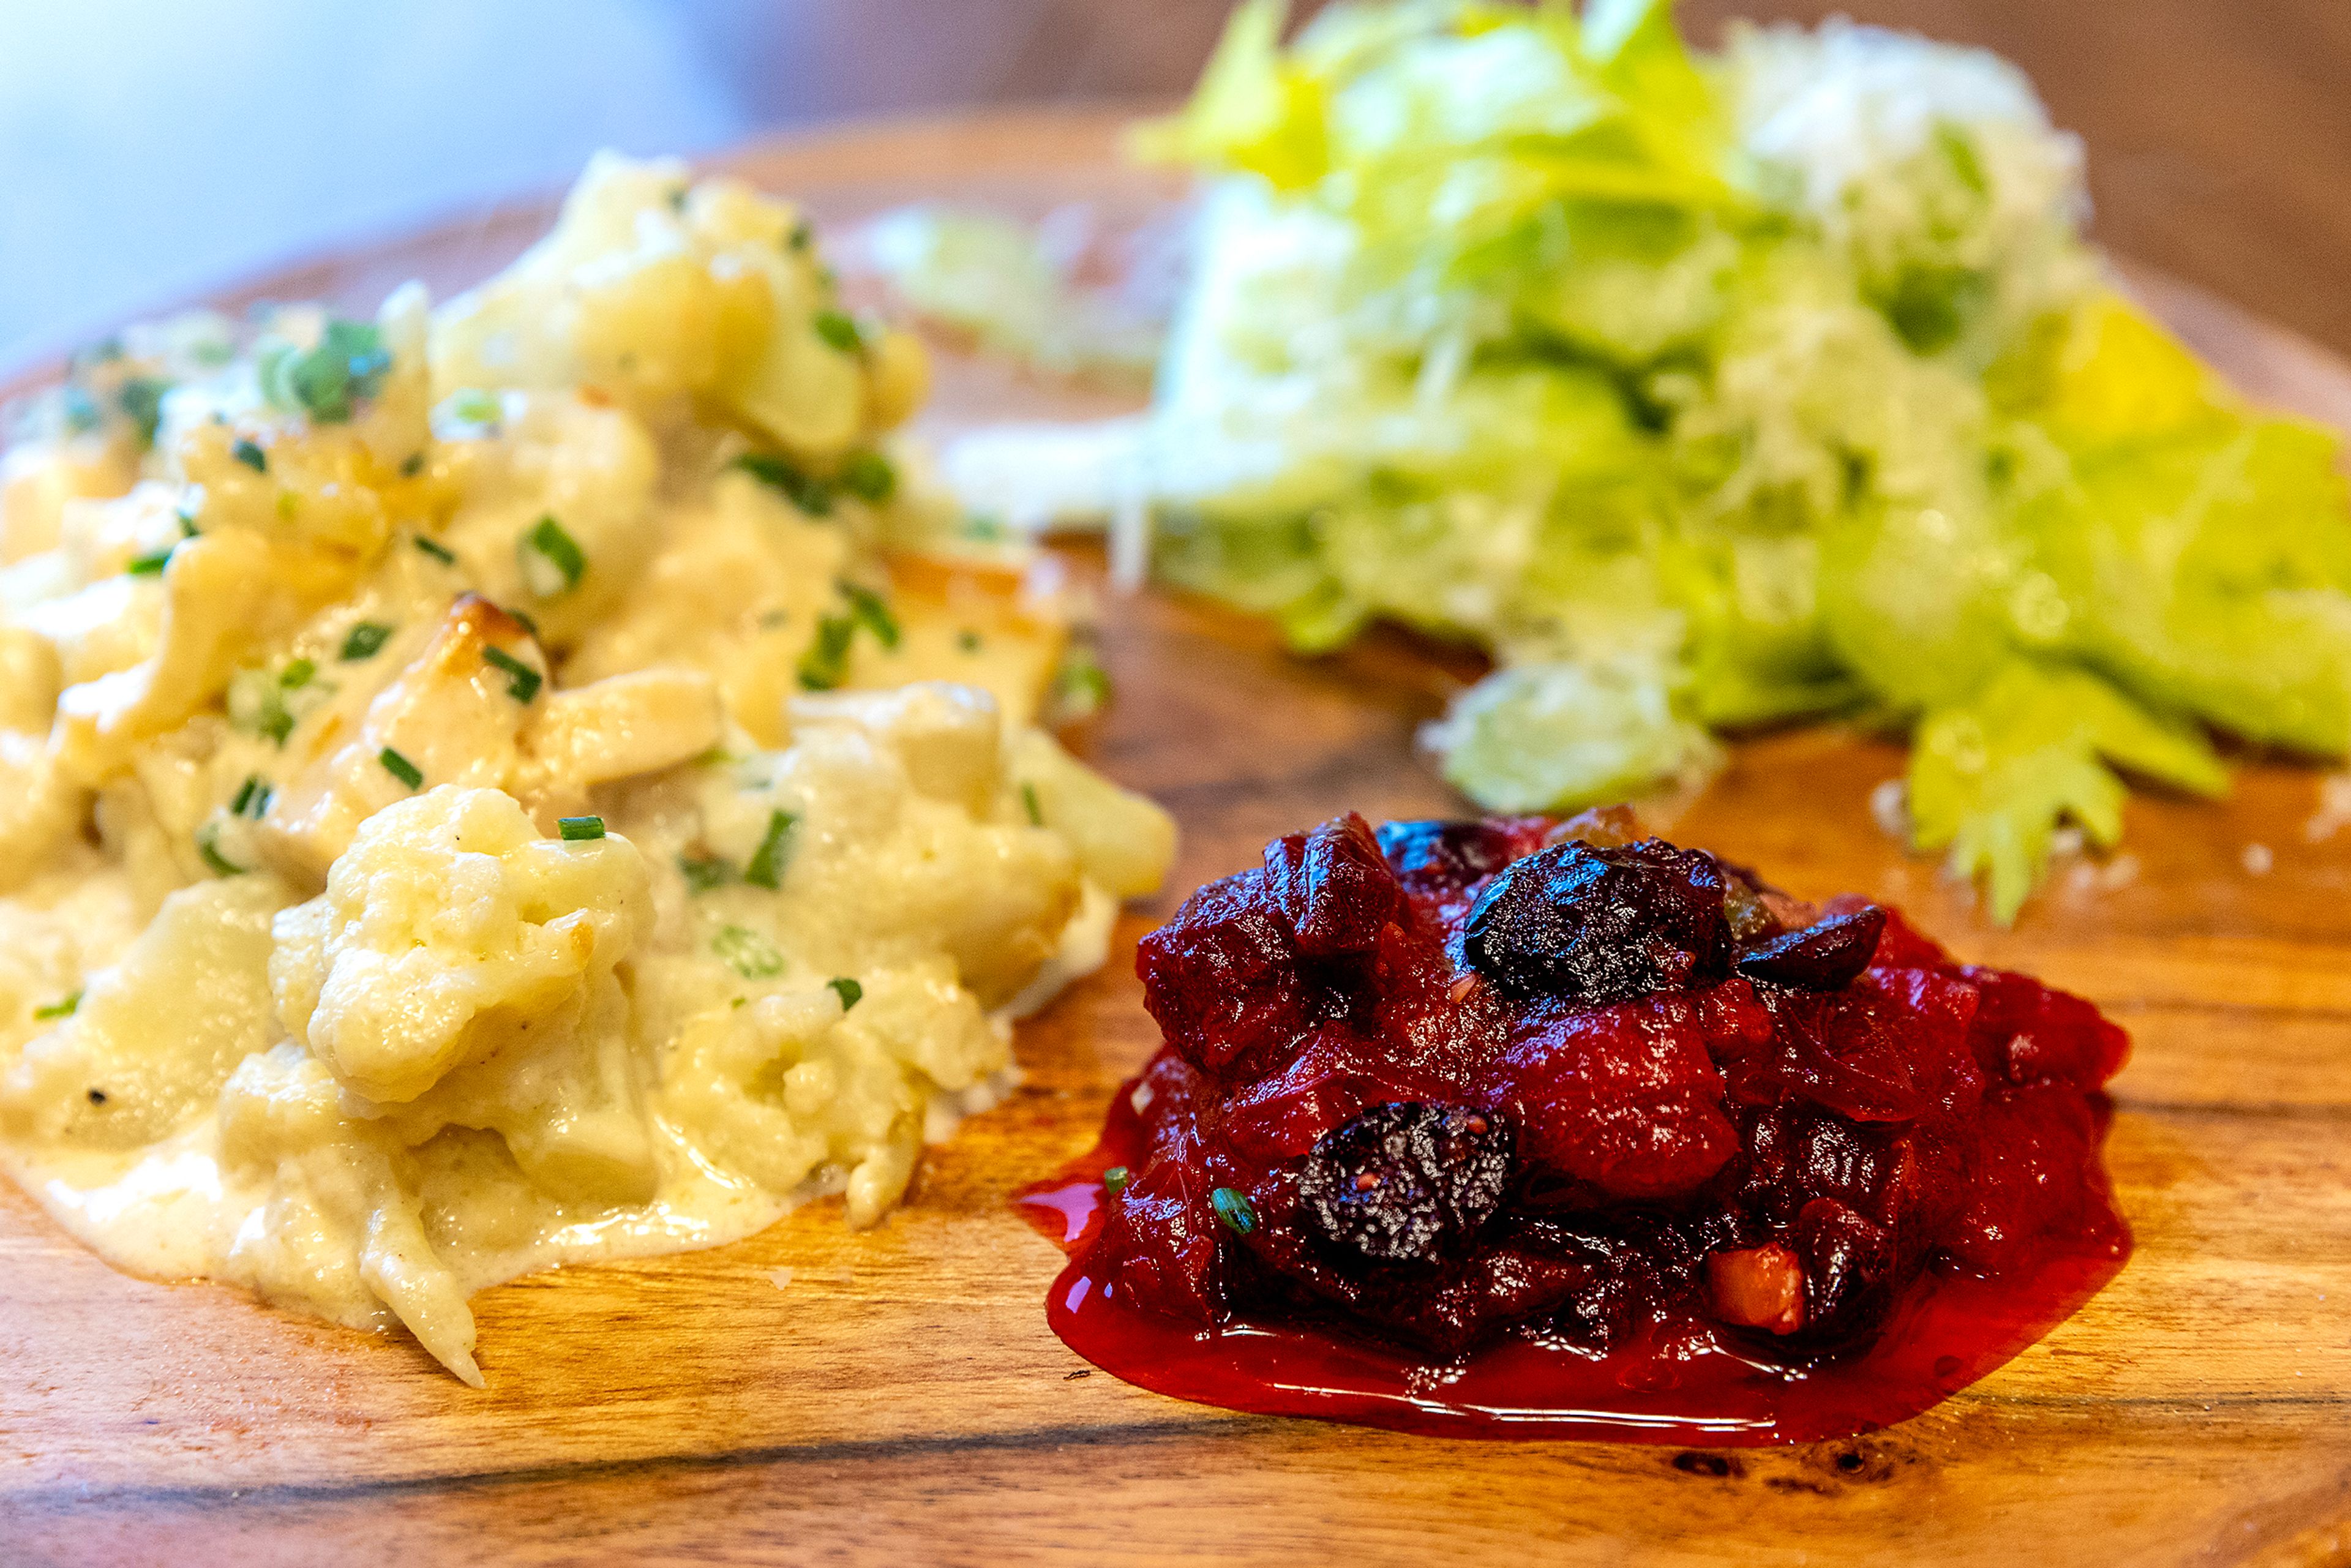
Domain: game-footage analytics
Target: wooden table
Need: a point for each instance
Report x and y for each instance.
(901, 1399)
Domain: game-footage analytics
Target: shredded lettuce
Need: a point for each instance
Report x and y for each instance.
(1718, 389)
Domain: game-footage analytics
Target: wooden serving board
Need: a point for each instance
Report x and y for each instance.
(900, 1399)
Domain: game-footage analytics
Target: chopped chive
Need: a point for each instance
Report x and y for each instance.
(1233, 1208)
(838, 330)
(747, 953)
(703, 872)
(63, 1007)
(327, 381)
(1114, 1180)
(402, 768)
(800, 236)
(826, 664)
(208, 846)
(522, 618)
(873, 612)
(187, 523)
(149, 564)
(1081, 688)
(141, 403)
(552, 561)
(252, 456)
(365, 640)
(767, 867)
(869, 477)
(579, 830)
(477, 407)
(803, 490)
(967, 640)
(296, 673)
(1028, 803)
(527, 681)
(412, 465)
(850, 992)
(436, 550)
(253, 797)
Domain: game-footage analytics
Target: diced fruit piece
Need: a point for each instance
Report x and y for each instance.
(1757, 1287)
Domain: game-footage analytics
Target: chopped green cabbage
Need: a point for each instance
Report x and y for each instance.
(1720, 390)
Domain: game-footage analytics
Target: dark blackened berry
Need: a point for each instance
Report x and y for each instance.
(1407, 1180)
(1823, 956)
(1433, 856)
(1849, 1266)
(1601, 926)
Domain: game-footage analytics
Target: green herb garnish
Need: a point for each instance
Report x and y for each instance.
(1114, 1180)
(579, 830)
(208, 846)
(474, 406)
(552, 561)
(63, 1007)
(412, 465)
(150, 564)
(326, 382)
(1081, 686)
(869, 477)
(296, 673)
(1028, 803)
(767, 867)
(253, 797)
(826, 664)
(703, 872)
(141, 400)
(436, 550)
(365, 640)
(1233, 1208)
(803, 490)
(872, 611)
(850, 992)
(251, 455)
(526, 681)
(967, 640)
(750, 955)
(402, 768)
(839, 331)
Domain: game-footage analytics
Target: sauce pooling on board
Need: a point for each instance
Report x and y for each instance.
(1522, 1129)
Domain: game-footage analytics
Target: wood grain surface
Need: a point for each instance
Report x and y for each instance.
(900, 1399)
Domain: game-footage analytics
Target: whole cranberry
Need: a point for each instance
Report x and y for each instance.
(1600, 925)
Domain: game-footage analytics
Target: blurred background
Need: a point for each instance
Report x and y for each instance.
(152, 149)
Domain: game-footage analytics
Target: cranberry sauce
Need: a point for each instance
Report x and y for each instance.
(1522, 1129)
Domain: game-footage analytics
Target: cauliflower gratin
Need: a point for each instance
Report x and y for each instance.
(497, 785)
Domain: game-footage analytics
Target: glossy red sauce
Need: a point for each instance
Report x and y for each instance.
(1947, 1117)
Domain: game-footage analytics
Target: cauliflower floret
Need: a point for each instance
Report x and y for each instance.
(224, 595)
(153, 1038)
(658, 289)
(558, 510)
(911, 824)
(449, 931)
(474, 709)
(39, 480)
(330, 1180)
